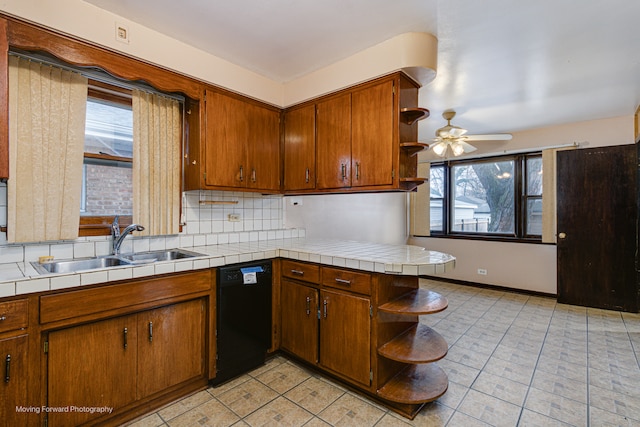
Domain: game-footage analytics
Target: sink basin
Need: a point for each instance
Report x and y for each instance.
(162, 255)
(69, 266)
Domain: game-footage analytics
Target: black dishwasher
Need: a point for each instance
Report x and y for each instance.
(243, 318)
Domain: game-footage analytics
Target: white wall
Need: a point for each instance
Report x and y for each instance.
(374, 217)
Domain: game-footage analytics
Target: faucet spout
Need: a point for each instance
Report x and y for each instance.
(118, 237)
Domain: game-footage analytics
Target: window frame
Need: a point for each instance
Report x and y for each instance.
(100, 225)
(521, 197)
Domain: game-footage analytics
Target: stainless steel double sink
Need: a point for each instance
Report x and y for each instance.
(72, 265)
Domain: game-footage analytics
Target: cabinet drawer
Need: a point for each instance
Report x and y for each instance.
(346, 279)
(301, 271)
(14, 315)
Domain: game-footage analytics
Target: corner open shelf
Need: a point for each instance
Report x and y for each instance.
(411, 348)
(413, 114)
(413, 148)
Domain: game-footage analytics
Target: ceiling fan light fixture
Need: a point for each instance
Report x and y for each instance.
(457, 148)
(440, 149)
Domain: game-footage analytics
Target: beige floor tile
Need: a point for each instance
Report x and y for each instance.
(489, 409)
(209, 414)
(314, 395)
(509, 370)
(474, 345)
(269, 364)
(454, 395)
(184, 405)
(462, 355)
(627, 384)
(521, 356)
(247, 397)
(562, 368)
(556, 407)
(223, 388)
(615, 402)
(433, 414)
(316, 422)
(501, 388)
(459, 419)
(565, 387)
(533, 419)
(152, 420)
(349, 410)
(279, 412)
(459, 373)
(600, 417)
(283, 377)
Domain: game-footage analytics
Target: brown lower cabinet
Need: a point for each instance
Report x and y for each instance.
(13, 387)
(362, 328)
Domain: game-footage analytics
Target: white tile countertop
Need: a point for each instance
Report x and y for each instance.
(21, 278)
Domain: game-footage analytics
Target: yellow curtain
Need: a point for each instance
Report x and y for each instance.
(47, 109)
(420, 216)
(157, 130)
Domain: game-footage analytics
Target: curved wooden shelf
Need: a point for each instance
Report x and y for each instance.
(420, 344)
(416, 302)
(413, 148)
(416, 180)
(412, 115)
(416, 384)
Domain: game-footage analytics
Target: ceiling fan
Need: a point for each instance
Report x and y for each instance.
(455, 138)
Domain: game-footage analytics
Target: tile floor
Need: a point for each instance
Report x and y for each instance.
(514, 360)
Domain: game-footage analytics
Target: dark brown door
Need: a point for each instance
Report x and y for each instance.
(333, 147)
(263, 149)
(597, 211)
(300, 320)
(300, 148)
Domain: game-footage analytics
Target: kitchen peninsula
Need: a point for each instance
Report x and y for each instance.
(151, 309)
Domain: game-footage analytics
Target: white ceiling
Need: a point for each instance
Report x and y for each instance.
(503, 65)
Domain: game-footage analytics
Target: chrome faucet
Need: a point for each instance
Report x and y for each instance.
(119, 237)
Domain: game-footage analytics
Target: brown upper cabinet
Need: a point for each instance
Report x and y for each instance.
(240, 145)
(300, 148)
(365, 139)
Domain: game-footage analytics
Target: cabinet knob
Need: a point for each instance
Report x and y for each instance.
(562, 235)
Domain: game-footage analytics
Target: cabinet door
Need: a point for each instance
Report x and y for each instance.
(372, 137)
(92, 365)
(300, 149)
(171, 346)
(227, 135)
(263, 149)
(299, 320)
(345, 335)
(333, 149)
(13, 391)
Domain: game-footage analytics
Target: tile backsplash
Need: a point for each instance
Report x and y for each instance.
(209, 218)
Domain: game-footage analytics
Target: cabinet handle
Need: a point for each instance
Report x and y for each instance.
(306, 176)
(7, 368)
(324, 307)
(150, 331)
(357, 171)
(124, 337)
(3, 317)
(253, 175)
(343, 168)
(308, 306)
(343, 281)
(241, 174)
(297, 272)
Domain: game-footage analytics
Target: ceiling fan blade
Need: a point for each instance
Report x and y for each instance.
(489, 137)
(468, 148)
(457, 132)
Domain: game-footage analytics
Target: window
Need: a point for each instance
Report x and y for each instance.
(107, 186)
(499, 197)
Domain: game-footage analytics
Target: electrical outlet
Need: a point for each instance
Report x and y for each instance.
(122, 33)
(233, 217)
(482, 271)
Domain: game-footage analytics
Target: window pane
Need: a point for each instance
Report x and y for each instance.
(484, 197)
(108, 189)
(436, 211)
(534, 176)
(534, 217)
(109, 128)
(107, 186)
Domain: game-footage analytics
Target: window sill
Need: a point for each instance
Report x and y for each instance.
(535, 241)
